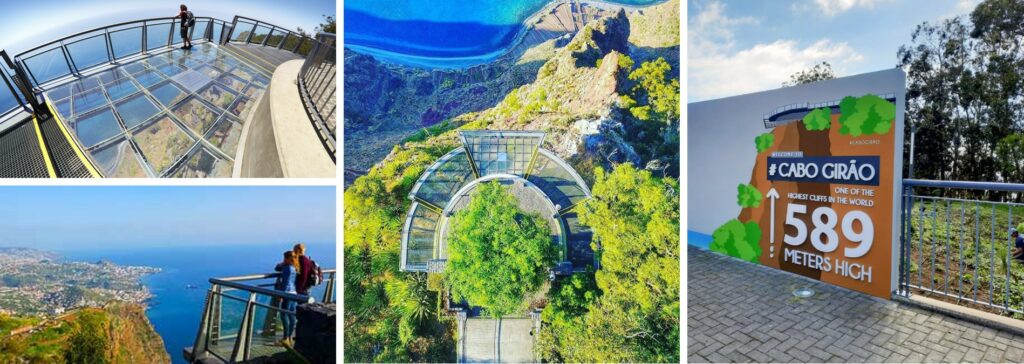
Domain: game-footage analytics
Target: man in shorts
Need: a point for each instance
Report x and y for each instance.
(187, 20)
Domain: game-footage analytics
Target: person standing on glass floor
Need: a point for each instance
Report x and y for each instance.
(187, 22)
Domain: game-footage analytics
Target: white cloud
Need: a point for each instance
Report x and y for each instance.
(835, 7)
(962, 7)
(716, 69)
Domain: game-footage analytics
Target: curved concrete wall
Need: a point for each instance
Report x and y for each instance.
(278, 139)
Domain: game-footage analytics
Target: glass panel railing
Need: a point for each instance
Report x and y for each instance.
(290, 42)
(216, 31)
(89, 52)
(47, 66)
(199, 31)
(126, 42)
(8, 101)
(260, 34)
(176, 34)
(276, 36)
(156, 35)
(305, 47)
(242, 30)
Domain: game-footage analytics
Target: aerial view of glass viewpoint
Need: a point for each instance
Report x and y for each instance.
(168, 89)
(200, 274)
(511, 181)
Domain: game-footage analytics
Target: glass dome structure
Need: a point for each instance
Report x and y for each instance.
(542, 182)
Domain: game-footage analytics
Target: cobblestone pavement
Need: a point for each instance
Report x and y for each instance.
(742, 312)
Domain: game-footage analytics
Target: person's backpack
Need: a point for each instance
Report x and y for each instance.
(315, 275)
(191, 20)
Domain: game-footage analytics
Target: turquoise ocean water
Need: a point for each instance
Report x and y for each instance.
(175, 309)
(439, 34)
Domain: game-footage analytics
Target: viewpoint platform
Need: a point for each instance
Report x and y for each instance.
(126, 100)
(541, 181)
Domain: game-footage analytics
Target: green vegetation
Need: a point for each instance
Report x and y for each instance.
(658, 92)
(963, 246)
(748, 196)
(764, 141)
(497, 254)
(818, 119)
(739, 240)
(382, 324)
(436, 129)
(118, 333)
(865, 115)
(633, 315)
(1010, 157)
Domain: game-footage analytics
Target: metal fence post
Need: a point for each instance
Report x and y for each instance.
(243, 342)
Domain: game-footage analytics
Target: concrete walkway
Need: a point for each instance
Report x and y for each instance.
(742, 312)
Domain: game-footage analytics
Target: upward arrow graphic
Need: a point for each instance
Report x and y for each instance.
(773, 195)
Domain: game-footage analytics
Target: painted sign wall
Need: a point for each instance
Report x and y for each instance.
(808, 181)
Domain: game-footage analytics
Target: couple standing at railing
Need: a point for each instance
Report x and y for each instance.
(299, 273)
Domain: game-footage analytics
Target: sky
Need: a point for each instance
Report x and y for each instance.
(739, 47)
(26, 24)
(64, 218)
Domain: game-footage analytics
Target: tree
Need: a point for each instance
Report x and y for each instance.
(635, 219)
(819, 72)
(737, 239)
(497, 253)
(964, 93)
(818, 119)
(329, 25)
(658, 89)
(1010, 154)
(865, 115)
(764, 141)
(748, 196)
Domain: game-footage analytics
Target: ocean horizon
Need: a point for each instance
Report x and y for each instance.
(174, 310)
(441, 34)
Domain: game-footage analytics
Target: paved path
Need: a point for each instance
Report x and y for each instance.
(741, 312)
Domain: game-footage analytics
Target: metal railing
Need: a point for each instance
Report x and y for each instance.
(19, 96)
(240, 320)
(71, 56)
(958, 248)
(318, 86)
(253, 31)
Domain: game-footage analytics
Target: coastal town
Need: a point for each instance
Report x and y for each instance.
(40, 283)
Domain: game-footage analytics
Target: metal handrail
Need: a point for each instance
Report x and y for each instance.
(209, 333)
(941, 223)
(104, 32)
(256, 24)
(317, 84)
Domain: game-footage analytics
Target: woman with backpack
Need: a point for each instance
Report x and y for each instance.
(289, 269)
(187, 22)
(309, 271)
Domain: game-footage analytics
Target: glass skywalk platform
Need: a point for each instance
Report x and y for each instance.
(175, 114)
(542, 182)
(127, 101)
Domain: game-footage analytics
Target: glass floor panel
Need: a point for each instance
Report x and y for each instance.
(118, 159)
(203, 164)
(225, 135)
(167, 94)
(119, 89)
(183, 110)
(96, 127)
(136, 110)
(162, 142)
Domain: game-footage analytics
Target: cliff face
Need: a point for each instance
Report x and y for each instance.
(118, 333)
(568, 86)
